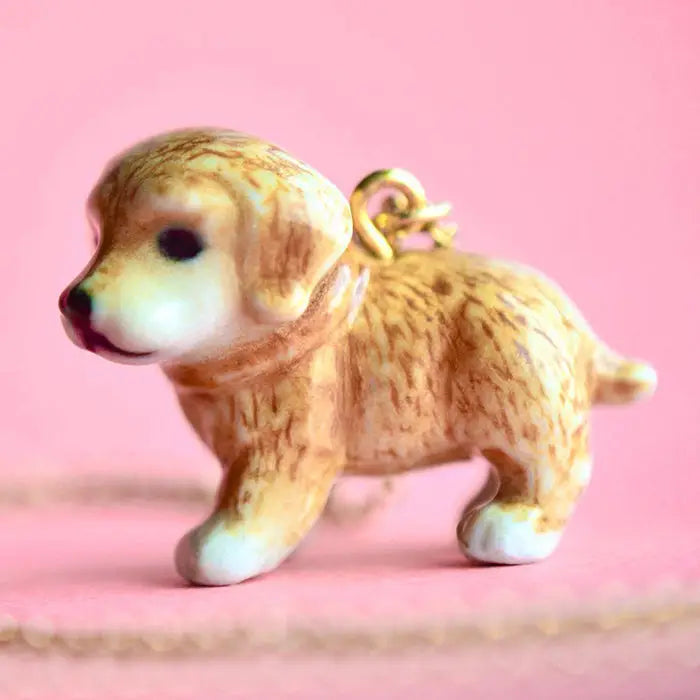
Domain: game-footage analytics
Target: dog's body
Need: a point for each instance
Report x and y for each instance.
(450, 355)
(433, 357)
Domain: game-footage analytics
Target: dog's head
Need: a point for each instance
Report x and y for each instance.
(204, 239)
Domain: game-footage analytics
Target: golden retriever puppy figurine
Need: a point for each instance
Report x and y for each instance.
(299, 351)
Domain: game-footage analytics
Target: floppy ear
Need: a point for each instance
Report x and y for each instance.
(295, 227)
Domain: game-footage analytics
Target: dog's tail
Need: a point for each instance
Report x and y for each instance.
(619, 380)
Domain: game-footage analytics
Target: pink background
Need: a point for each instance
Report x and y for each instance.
(565, 134)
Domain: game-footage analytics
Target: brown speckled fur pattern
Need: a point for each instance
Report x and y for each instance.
(448, 356)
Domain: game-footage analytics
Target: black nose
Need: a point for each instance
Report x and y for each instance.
(76, 302)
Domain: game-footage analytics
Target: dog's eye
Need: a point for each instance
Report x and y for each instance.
(180, 244)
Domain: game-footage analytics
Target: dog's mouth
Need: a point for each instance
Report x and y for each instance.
(95, 342)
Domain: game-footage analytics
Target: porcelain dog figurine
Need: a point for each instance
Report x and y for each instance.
(298, 353)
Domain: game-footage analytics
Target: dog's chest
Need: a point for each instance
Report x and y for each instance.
(282, 415)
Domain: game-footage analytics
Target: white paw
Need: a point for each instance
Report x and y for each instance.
(214, 554)
(507, 535)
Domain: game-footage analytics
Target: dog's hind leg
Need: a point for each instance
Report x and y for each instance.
(532, 502)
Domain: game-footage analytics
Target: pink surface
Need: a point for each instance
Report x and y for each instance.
(93, 569)
(81, 567)
(599, 669)
(565, 134)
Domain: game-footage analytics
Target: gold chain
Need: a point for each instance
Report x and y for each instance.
(346, 513)
(101, 490)
(98, 489)
(403, 213)
(397, 637)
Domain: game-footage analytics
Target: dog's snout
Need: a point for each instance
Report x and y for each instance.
(76, 302)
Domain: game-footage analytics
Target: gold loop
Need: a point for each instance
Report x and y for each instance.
(403, 213)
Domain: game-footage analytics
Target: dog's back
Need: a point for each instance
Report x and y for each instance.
(454, 352)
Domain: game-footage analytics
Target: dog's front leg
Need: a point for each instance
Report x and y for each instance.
(267, 503)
